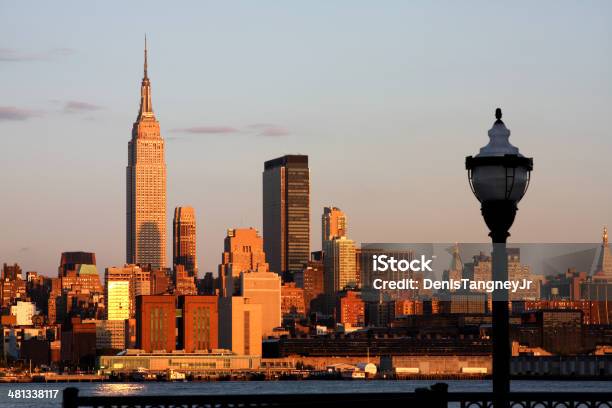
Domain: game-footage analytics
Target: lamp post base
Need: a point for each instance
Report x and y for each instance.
(499, 217)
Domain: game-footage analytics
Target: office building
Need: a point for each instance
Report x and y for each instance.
(367, 274)
(340, 265)
(184, 282)
(292, 301)
(482, 268)
(455, 269)
(77, 262)
(184, 239)
(81, 290)
(312, 281)
(521, 272)
(286, 213)
(123, 285)
(240, 325)
(23, 312)
(146, 186)
(242, 252)
(12, 286)
(110, 334)
(263, 288)
(78, 344)
(333, 224)
(350, 309)
(161, 282)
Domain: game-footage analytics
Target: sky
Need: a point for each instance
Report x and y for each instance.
(386, 98)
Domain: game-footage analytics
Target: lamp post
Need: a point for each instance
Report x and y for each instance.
(499, 176)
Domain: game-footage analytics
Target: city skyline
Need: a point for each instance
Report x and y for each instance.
(36, 234)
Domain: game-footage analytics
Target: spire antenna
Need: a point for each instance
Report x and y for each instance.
(145, 58)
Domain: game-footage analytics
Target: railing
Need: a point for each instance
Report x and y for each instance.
(434, 397)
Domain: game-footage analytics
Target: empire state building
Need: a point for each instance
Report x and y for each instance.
(146, 186)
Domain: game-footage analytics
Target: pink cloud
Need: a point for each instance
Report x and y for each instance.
(270, 129)
(14, 113)
(77, 106)
(208, 130)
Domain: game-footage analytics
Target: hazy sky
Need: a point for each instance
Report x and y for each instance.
(386, 98)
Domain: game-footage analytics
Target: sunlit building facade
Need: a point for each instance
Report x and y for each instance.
(146, 186)
(286, 213)
(184, 239)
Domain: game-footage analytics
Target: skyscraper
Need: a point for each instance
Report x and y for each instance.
(263, 288)
(333, 224)
(80, 262)
(339, 252)
(340, 265)
(122, 286)
(455, 269)
(286, 213)
(146, 186)
(242, 252)
(240, 325)
(604, 261)
(79, 273)
(184, 239)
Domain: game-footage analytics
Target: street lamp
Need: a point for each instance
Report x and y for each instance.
(499, 176)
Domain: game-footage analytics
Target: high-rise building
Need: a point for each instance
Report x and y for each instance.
(263, 288)
(38, 288)
(78, 345)
(482, 268)
(110, 334)
(117, 299)
(367, 273)
(12, 285)
(333, 224)
(312, 281)
(161, 282)
(56, 305)
(240, 325)
(122, 286)
(519, 272)
(77, 262)
(80, 284)
(146, 186)
(184, 239)
(286, 213)
(11, 272)
(242, 252)
(156, 323)
(200, 322)
(340, 265)
(292, 301)
(23, 311)
(455, 270)
(184, 283)
(350, 309)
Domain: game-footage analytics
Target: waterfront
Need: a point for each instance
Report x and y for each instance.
(276, 387)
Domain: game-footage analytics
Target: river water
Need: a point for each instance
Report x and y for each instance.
(275, 387)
